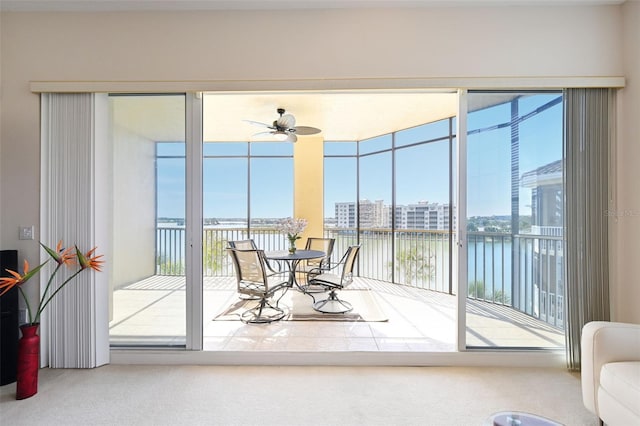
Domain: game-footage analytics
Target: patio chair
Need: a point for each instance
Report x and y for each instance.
(253, 281)
(334, 282)
(244, 245)
(319, 264)
(251, 245)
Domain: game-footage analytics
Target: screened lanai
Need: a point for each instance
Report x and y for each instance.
(383, 173)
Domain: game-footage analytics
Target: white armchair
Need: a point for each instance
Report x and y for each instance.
(611, 371)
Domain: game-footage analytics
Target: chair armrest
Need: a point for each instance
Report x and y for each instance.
(603, 342)
(314, 272)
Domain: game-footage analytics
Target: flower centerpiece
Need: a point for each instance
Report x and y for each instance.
(292, 228)
(29, 344)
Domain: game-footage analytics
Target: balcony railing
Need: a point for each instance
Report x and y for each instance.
(421, 260)
(522, 271)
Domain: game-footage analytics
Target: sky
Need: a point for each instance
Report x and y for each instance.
(422, 172)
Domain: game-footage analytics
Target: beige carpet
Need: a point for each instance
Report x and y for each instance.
(366, 307)
(174, 395)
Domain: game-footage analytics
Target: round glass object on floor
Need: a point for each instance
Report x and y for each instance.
(519, 418)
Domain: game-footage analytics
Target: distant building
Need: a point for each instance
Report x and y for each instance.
(375, 214)
(547, 207)
(423, 215)
(346, 215)
(547, 198)
(372, 214)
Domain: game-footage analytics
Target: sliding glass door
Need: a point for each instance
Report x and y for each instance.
(514, 221)
(148, 290)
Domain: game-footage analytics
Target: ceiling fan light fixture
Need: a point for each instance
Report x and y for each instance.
(291, 138)
(280, 136)
(286, 122)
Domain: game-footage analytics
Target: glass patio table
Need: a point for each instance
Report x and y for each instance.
(292, 260)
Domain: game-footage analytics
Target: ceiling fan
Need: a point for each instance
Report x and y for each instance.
(285, 125)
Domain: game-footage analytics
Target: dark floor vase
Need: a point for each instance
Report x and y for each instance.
(28, 361)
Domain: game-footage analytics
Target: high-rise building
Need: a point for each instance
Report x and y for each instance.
(372, 214)
(423, 215)
(375, 214)
(346, 215)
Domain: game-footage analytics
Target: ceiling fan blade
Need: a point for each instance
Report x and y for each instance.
(306, 130)
(257, 123)
(263, 133)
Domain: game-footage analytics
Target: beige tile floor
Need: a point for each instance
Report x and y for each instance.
(151, 313)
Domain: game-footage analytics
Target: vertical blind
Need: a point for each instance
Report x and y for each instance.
(589, 124)
(76, 322)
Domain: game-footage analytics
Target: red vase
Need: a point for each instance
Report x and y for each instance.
(28, 361)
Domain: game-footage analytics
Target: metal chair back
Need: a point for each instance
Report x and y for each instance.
(349, 259)
(243, 244)
(322, 244)
(250, 271)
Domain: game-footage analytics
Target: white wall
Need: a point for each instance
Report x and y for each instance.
(315, 45)
(625, 295)
(134, 219)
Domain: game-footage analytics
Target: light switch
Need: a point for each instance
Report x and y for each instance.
(26, 232)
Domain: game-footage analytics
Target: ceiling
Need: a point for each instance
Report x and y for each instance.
(123, 5)
(342, 116)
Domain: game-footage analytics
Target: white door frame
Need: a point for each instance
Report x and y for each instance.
(194, 287)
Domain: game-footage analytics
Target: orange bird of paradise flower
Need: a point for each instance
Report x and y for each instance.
(89, 261)
(7, 283)
(61, 255)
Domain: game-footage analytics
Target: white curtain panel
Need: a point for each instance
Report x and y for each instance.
(74, 328)
(589, 129)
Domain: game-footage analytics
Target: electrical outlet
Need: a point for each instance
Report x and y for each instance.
(26, 232)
